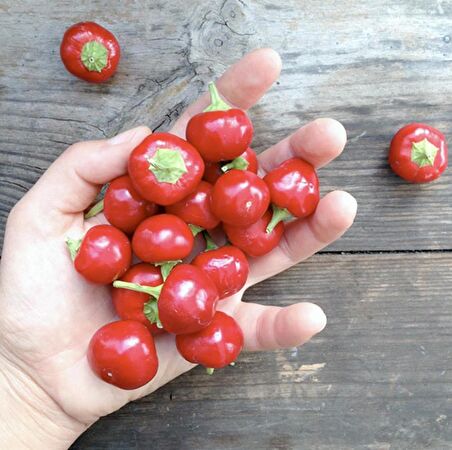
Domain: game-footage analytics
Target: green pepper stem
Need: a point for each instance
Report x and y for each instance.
(216, 102)
(151, 311)
(210, 244)
(209, 370)
(95, 210)
(94, 56)
(166, 267)
(239, 163)
(73, 246)
(195, 229)
(423, 153)
(167, 165)
(279, 214)
(153, 291)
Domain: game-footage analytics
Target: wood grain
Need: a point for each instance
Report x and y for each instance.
(372, 65)
(378, 377)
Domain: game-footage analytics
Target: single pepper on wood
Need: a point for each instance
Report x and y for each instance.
(418, 153)
(90, 52)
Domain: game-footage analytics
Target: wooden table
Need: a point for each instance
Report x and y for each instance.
(379, 377)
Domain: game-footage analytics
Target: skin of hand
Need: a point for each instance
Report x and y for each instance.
(49, 312)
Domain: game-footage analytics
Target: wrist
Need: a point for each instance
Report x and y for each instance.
(29, 418)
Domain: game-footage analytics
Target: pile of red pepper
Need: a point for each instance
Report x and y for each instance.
(177, 193)
(178, 190)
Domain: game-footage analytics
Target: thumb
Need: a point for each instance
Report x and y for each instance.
(72, 182)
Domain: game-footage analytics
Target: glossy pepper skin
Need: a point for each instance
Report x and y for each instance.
(418, 153)
(294, 186)
(254, 240)
(164, 168)
(246, 161)
(129, 304)
(123, 354)
(227, 267)
(124, 208)
(240, 198)
(220, 133)
(90, 52)
(215, 346)
(196, 208)
(188, 300)
(162, 238)
(103, 255)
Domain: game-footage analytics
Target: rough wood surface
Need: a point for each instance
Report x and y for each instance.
(372, 64)
(379, 377)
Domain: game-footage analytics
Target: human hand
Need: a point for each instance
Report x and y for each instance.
(49, 312)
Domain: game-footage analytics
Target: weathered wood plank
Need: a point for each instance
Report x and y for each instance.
(373, 65)
(378, 377)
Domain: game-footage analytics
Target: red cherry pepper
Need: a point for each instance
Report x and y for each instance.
(187, 301)
(164, 168)
(215, 346)
(294, 190)
(246, 161)
(418, 153)
(130, 305)
(227, 267)
(162, 238)
(103, 255)
(255, 240)
(196, 208)
(123, 353)
(123, 207)
(90, 52)
(220, 133)
(212, 172)
(240, 198)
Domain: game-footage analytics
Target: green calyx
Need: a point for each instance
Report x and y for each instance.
(95, 210)
(216, 102)
(209, 370)
(167, 165)
(210, 244)
(423, 153)
(94, 56)
(279, 214)
(73, 246)
(151, 311)
(239, 163)
(195, 229)
(166, 267)
(153, 291)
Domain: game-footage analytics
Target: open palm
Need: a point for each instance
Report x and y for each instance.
(49, 312)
